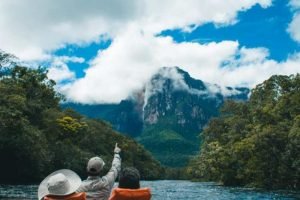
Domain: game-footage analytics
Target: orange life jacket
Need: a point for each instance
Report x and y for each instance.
(74, 196)
(130, 194)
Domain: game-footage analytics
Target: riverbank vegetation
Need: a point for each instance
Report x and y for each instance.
(38, 137)
(255, 143)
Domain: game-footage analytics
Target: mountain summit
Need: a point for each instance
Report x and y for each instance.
(168, 114)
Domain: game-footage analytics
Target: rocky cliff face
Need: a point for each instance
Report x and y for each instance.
(176, 109)
(179, 101)
(168, 115)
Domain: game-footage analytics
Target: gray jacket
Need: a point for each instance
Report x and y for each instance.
(99, 188)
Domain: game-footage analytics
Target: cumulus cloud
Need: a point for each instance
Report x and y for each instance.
(59, 70)
(125, 67)
(128, 64)
(293, 27)
(249, 74)
(32, 29)
(295, 4)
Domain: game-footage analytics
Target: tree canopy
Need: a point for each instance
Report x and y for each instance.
(38, 137)
(255, 143)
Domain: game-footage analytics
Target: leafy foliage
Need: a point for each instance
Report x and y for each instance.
(169, 147)
(37, 137)
(256, 143)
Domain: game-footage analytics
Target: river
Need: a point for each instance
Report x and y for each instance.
(171, 190)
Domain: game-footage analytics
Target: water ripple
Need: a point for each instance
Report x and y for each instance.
(172, 190)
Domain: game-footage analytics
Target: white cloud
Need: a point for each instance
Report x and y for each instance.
(249, 74)
(293, 27)
(31, 29)
(295, 4)
(170, 14)
(252, 55)
(59, 70)
(214, 89)
(60, 73)
(128, 64)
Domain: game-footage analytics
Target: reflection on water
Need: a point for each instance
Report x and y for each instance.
(18, 192)
(171, 190)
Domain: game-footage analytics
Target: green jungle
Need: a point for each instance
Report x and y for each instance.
(254, 143)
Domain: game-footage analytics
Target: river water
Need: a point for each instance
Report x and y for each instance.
(171, 190)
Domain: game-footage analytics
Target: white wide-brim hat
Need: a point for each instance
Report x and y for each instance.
(62, 182)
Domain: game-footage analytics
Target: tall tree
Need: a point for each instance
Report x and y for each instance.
(256, 143)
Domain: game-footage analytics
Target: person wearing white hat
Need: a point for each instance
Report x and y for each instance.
(61, 184)
(97, 187)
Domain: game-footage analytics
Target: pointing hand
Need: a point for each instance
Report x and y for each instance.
(117, 149)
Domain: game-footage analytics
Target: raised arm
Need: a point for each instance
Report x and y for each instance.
(115, 166)
(116, 163)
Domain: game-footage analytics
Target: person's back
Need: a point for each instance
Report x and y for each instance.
(97, 187)
(129, 187)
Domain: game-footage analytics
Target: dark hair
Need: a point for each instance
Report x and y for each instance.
(129, 178)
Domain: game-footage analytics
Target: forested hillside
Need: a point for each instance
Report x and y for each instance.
(167, 115)
(37, 137)
(256, 143)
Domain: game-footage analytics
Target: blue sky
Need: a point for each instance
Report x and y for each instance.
(103, 51)
(87, 52)
(258, 27)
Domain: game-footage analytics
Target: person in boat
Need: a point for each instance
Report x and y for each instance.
(129, 186)
(61, 184)
(95, 186)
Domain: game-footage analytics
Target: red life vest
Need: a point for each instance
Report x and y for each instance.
(130, 194)
(74, 196)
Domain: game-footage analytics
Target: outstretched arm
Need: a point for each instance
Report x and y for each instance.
(115, 166)
(116, 163)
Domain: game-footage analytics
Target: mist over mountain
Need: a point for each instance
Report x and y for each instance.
(168, 114)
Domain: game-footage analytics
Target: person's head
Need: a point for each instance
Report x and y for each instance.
(129, 178)
(59, 183)
(94, 166)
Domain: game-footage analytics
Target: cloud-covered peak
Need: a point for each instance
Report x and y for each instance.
(125, 67)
